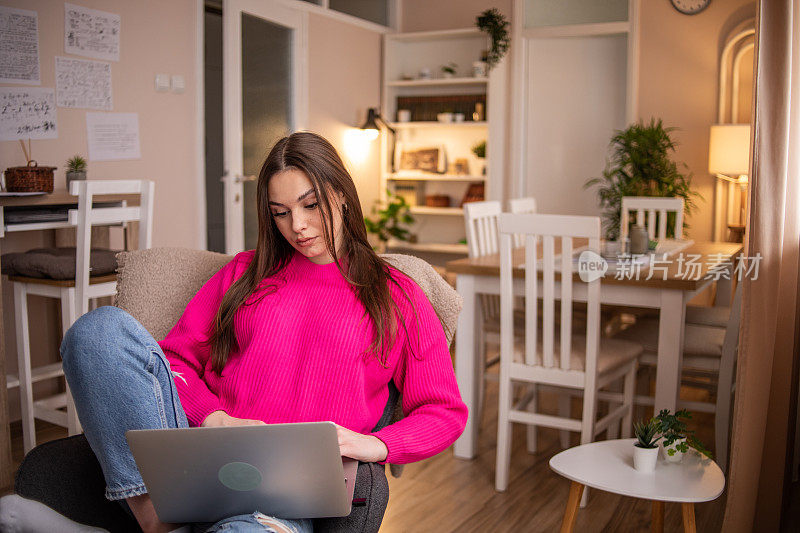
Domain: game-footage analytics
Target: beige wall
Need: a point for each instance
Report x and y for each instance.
(344, 80)
(678, 82)
(427, 15)
(156, 37)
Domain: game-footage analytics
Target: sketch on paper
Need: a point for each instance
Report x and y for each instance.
(27, 113)
(113, 136)
(91, 33)
(19, 46)
(82, 83)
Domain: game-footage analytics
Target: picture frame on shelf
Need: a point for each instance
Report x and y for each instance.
(460, 167)
(421, 158)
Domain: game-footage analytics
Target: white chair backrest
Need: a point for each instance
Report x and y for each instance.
(655, 208)
(519, 206)
(88, 215)
(549, 249)
(480, 219)
(524, 205)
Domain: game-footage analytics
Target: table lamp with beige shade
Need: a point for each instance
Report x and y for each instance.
(729, 161)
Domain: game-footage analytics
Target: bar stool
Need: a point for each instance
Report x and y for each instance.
(74, 295)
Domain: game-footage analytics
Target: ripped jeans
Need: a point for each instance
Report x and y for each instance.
(120, 380)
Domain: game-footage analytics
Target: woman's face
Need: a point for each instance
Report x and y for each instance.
(298, 215)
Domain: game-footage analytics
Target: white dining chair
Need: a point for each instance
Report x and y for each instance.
(707, 351)
(520, 206)
(657, 210)
(552, 354)
(74, 295)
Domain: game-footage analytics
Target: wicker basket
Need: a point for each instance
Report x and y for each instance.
(31, 178)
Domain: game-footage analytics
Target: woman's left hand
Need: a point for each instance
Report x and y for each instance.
(365, 448)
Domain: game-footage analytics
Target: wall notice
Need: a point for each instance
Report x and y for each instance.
(83, 83)
(91, 33)
(27, 113)
(19, 46)
(113, 136)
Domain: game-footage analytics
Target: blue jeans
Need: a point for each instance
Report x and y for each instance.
(120, 380)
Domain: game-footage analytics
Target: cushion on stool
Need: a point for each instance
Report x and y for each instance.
(56, 263)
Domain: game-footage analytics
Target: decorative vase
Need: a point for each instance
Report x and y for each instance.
(644, 459)
(676, 457)
(75, 175)
(639, 240)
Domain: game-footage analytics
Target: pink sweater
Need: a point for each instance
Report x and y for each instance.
(303, 357)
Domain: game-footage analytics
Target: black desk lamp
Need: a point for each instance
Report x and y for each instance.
(372, 125)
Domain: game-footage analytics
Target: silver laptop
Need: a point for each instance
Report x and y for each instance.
(207, 474)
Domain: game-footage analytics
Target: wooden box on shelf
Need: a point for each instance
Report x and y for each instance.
(437, 200)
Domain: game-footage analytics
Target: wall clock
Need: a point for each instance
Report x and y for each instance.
(690, 7)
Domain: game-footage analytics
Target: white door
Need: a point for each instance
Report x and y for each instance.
(264, 98)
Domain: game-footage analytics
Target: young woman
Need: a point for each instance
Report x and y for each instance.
(311, 325)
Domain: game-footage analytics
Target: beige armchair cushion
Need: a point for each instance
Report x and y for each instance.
(155, 285)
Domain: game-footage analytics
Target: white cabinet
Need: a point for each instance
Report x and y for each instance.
(439, 231)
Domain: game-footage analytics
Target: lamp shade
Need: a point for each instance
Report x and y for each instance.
(729, 149)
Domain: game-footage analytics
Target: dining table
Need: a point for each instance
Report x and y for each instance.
(57, 198)
(665, 283)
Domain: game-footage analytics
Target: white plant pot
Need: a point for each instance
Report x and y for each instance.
(677, 457)
(644, 459)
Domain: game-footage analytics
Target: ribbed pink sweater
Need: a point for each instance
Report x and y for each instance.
(303, 358)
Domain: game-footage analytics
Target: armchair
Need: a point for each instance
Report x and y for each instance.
(155, 286)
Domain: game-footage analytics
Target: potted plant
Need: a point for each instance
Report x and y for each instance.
(677, 437)
(449, 70)
(76, 169)
(389, 221)
(479, 150)
(495, 25)
(645, 449)
(640, 165)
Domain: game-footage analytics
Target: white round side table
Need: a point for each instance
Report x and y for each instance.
(608, 465)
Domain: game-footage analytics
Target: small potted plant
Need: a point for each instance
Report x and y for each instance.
(389, 221)
(677, 437)
(645, 449)
(479, 150)
(76, 169)
(449, 70)
(495, 25)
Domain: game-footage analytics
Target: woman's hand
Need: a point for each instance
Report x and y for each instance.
(221, 418)
(365, 448)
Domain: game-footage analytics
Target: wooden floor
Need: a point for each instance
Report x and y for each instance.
(445, 494)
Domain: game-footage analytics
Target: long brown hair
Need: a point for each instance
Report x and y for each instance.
(368, 274)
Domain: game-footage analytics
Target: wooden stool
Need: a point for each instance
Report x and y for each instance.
(608, 466)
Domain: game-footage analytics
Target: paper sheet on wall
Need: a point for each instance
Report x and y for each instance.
(19, 46)
(27, 113)
(113, 136)
(83, 83)
(91, 33)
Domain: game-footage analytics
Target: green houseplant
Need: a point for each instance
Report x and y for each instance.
(640, 165)
(76, 169)
(479, 150)
(388, 221)
(495, 25)
(645, 451)
(677, 437)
